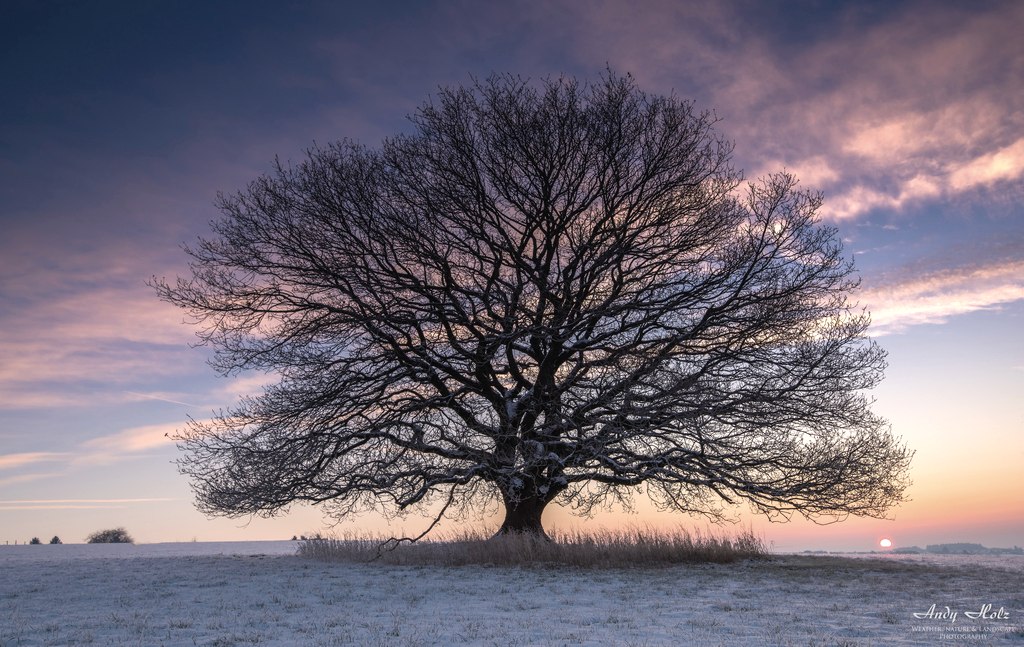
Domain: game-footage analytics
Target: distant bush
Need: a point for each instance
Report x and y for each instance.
(56, 540)
(634, 546)
(35, 540)
(112, 536)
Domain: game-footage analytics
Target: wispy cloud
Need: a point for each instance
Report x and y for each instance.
(934, 297)
(11, 508)
(100, 334)
(161, 397)
(75, 504)
(71, 349)
(71, 344)
(62, 501)
(79, 324)
(126, 443)
(12, 461)
(108, 449)
(123, 445)
(28, 478)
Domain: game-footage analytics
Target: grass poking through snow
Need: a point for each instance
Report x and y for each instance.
(636, 546)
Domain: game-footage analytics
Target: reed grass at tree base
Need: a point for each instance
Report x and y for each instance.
(590, 549)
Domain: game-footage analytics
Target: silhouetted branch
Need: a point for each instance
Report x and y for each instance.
(546, 292)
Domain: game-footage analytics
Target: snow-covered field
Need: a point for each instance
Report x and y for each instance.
(259, 593)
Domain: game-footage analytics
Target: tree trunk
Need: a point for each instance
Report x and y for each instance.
(523, 516)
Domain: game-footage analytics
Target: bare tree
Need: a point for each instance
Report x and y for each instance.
(548, 292)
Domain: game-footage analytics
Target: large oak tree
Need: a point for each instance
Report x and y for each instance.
(550, 291)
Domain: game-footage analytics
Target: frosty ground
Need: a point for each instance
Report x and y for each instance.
(260, 593)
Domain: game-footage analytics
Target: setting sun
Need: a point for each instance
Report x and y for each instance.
(885, 543)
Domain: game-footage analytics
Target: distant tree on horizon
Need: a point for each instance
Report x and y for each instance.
(56, 540)
(111, 536)
(547, 292)
(35, 541)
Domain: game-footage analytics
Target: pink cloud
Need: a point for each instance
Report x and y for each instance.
(13, 461)
(28, 478)
(921, 107)
(126, 443)
(934, 297)
(75, 504)
(1002, 165)
(112, 335)
(10, 508)
(115, 447)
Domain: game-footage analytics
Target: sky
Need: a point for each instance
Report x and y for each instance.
(121, 121)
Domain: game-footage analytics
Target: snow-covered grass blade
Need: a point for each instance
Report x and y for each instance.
(632, 546)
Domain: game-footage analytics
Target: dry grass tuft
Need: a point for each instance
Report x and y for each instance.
(634, 546)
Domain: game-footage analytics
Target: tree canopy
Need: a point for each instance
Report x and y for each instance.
(547, 291)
